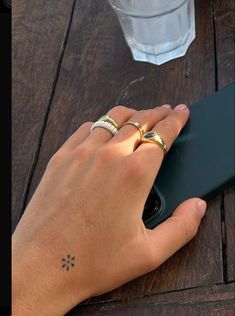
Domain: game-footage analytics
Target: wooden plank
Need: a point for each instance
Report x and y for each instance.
(225, 29)
(98, 72)
(38, 34)
(229, 210)
(216, 300)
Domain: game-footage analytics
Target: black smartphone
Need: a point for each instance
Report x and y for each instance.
(201, 161)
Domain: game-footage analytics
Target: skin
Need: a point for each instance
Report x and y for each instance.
(86, 214)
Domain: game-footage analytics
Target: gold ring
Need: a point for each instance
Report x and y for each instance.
(154, 138)
(137, 125)
(107, 118)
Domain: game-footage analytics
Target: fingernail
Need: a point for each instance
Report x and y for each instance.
(181, 107)
(201, 205)
(168, 106)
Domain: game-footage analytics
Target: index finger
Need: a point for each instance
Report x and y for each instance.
(152, 155)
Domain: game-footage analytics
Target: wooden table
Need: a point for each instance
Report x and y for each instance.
(70, 65)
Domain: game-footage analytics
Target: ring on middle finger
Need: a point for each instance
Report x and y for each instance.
(137, 125)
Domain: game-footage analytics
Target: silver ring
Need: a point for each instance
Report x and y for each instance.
(106, 125)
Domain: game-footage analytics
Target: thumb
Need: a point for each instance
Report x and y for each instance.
(177, 230)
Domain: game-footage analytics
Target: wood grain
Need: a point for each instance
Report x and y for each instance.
(225, 33)
(229, 210)
(98, 72)
(38, 33)
(225, 29)
(217, 300)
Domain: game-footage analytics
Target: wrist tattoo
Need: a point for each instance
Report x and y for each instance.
(68, 262)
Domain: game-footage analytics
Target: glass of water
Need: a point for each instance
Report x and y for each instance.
(156, 30)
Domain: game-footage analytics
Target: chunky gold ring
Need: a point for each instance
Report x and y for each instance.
(154, 138)
(137, 125)
(107, 118)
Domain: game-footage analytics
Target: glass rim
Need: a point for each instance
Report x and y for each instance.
(137, 15)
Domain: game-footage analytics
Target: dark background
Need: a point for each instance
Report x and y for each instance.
(5, 166)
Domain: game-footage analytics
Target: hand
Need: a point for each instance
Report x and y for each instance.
(82, 233)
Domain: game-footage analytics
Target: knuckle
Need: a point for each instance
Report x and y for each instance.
(82, 153)
(133, 169)
(105, 155)
(175, 125)
(151, 260)
(120, 108)
(86, 125)
(189, 228)
(145, 113)
(57, 158)
(169, 128)
(150, 257)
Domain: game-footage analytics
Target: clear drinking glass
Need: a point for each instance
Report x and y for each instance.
(156, 30)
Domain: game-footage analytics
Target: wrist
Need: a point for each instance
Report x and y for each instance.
(41, 287)
(38, 296)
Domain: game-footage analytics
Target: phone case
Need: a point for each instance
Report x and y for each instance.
(201, 161)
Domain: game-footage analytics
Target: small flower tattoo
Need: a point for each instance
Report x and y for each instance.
(68, 262)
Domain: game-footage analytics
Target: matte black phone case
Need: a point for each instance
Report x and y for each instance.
(201, 161)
